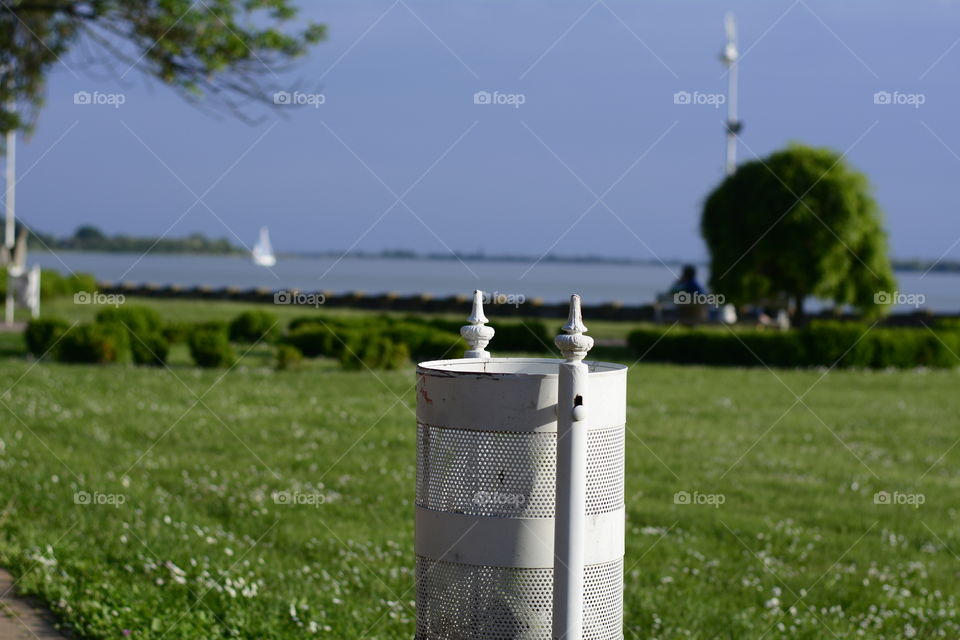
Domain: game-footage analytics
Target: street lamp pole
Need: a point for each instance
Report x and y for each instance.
(729, 57)
(10, 230)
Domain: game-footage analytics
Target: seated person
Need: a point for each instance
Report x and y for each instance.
(687, 283)
(685, 296)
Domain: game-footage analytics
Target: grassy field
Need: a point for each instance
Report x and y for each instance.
(140, 501)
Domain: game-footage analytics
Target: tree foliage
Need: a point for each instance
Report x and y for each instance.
(229, 51)
(798, 223)
(90, 238)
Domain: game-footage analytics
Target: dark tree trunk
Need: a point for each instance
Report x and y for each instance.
(798, 314)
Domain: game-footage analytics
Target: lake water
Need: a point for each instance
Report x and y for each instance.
(553, 282)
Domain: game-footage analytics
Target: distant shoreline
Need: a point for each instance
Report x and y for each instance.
(90, 239)
(903, 266)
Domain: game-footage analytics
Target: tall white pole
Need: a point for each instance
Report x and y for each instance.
(730, 57)
(10, 233)
(732, 124)
(569, 537)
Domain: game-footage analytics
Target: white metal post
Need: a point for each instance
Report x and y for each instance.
(9, 236)
(732, 121)
(571, 496)
(477, 334)
(729, 57)
(33, 291)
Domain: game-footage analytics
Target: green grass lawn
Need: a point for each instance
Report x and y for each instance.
(189, 543)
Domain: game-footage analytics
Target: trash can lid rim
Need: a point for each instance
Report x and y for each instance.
(501, 367)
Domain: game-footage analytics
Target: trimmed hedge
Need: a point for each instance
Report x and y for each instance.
(353, 345)
(288, 357)
(425, 338)
(347, 340)
(376, 353)
(148, 344)
(210, 346)
(335, 322)
(149, 348)
(253, 326)
(527, 337)
(423, 342)
(95, 343)
(135, 318)
(42, 335)
(531, 336)
(176, 332)
(819, 344)
(375, 342)
(117, 335)
(217, 326)
(316, 340)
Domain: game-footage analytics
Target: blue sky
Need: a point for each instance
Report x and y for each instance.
(597, 81)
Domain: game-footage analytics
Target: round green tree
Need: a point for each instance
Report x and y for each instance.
(798, 223)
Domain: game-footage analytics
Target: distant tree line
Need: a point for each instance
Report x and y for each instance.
(90, 238)
(948, 266)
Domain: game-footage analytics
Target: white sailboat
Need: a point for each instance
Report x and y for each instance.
(263, 250)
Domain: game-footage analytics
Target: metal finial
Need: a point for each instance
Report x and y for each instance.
(476, 314)
(572, 343)
(477, 334)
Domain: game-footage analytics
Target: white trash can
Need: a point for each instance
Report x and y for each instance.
(487, 434)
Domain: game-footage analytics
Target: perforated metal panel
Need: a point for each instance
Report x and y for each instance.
(469, 602)
(605, 468)
(510, 475)
(486, 473)
(603, 601)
